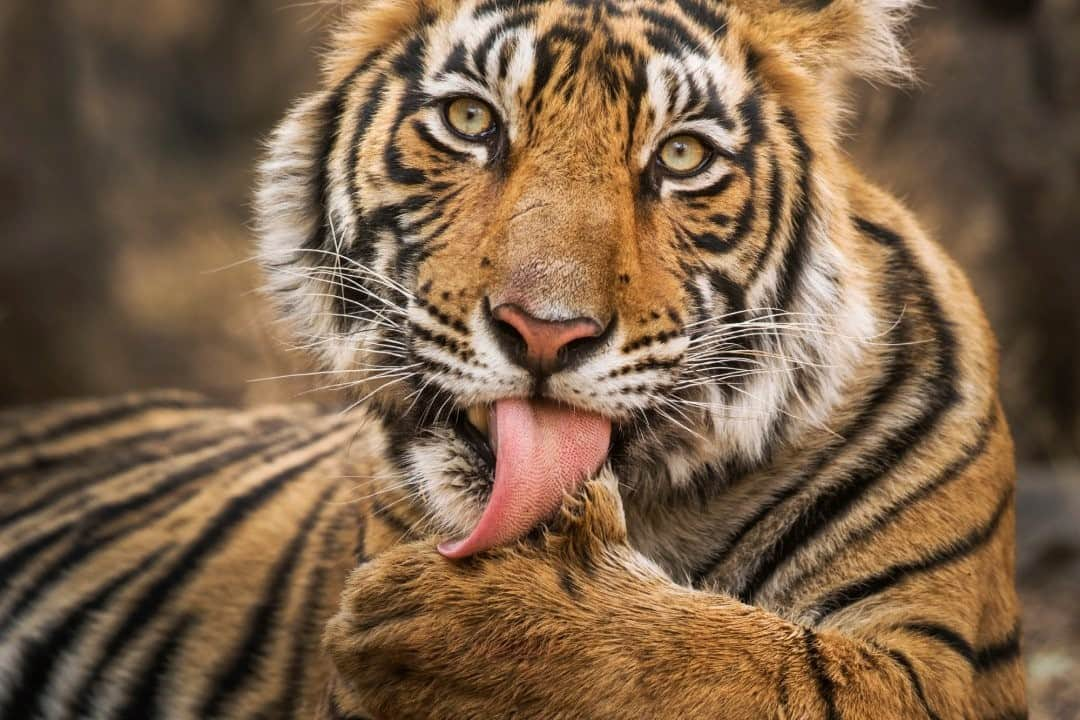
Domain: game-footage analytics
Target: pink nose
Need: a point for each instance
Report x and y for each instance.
(545, 341)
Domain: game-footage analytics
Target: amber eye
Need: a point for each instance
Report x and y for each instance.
(470, 118)
(684, 155)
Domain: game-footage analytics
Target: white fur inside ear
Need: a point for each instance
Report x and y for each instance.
(878, 54)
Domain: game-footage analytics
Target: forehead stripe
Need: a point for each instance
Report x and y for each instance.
(497, 34)
(674, 29)
(706, 15)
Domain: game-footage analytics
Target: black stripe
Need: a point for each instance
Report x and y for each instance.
(993, 656)
(673, 29)
(360, 549)
(397, 170)
(437, 208)
(237, 671)
(41, 460)
(826, 687)
(982, 659)
(750, 114)
(712, 108)
(715, 189)
(354, 298)
(506, 54)
(108, 412)
(308, 629)
(707, 15)
(397, 524)
(13, 562)
(865, 532)
(573, 68)
(363, 250)
(363, 246)
(332, 114)
(120, 458)
(666, 43)
(776, 206)
(743, 221)
(955, 551)
(41, 653)
(897, 445)
(408, 67)
(120, 448)
(438, 145)
(734, 295)
(507, 25)
(798, 250)
(457, 63)
(217, 532)
(490, 6)
(946, 636)
(636, 86)
(569, 584)
(543, 67)
(86, 546)
(916, 683)
(143, 700)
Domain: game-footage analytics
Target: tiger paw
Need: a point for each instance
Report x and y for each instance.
(590, 521)
(420, 635)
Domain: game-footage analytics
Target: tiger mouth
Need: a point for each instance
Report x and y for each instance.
(479, 418)
(539, 451)
(475, 427)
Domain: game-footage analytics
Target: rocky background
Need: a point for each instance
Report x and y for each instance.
(130, 128)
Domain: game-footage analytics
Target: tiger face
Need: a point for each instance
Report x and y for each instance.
(545, 236)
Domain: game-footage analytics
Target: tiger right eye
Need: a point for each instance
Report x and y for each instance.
(684, 155)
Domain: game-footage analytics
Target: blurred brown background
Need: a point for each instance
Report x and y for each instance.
(130, 129)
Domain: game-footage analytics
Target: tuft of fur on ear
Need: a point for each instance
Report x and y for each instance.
(852, 37)
(365, 26)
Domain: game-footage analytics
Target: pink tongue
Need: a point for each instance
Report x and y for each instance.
(543, 451)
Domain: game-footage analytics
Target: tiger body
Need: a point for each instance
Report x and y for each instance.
(166, 558)
(806, 507)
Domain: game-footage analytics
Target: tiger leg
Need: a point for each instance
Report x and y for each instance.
(577, 624)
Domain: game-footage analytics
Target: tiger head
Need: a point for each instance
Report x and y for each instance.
(540, 236)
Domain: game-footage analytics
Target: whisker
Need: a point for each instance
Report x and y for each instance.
(387, 281)
(318, 373)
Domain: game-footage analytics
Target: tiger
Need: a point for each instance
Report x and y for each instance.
(657, 406)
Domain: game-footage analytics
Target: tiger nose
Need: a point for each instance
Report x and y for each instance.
(544, 346)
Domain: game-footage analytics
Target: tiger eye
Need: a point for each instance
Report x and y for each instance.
(683, 155)
(471, 118)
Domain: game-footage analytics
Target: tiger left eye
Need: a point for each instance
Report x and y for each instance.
(470, 118)
(684, 155)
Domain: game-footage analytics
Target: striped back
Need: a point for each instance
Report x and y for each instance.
(159, 556)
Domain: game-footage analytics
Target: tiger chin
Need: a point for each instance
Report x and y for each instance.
(691, 419)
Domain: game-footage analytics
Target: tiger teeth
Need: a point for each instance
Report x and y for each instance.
(480, 418)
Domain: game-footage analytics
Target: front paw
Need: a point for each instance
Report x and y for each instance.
(421, 636)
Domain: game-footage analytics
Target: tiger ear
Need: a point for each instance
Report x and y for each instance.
(366, 25)
(852, 37)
